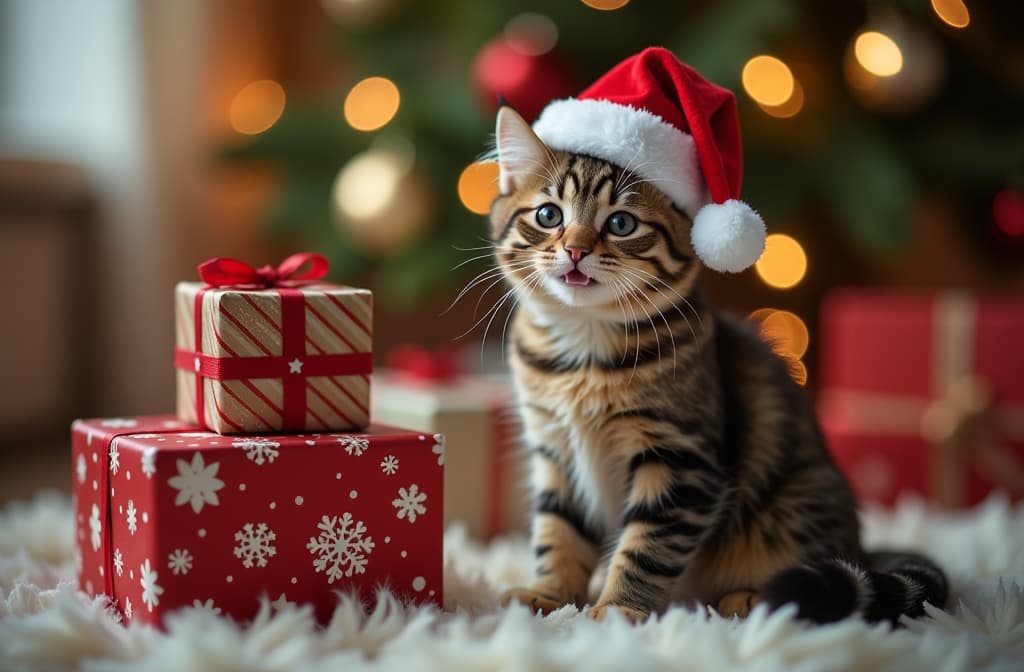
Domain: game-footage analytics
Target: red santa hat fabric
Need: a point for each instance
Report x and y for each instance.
(658, 118)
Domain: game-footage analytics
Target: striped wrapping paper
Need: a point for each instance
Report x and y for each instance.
(242, 330)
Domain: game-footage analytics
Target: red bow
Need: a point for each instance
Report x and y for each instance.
(226, 272)
(417, 365)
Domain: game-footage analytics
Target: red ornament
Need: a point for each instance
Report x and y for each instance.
(502, 69)
(1008, 213)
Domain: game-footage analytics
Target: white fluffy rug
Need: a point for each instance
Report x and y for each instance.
(46, 625)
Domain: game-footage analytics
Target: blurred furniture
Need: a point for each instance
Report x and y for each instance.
(47, 233)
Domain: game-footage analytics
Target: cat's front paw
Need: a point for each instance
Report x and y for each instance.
(599, 611)
(536, 600)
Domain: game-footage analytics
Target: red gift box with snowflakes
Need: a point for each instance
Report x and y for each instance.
(171, 516)
(923, 393)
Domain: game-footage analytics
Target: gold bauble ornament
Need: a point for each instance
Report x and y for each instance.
(381, 203)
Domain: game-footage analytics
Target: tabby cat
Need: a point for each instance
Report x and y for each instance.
(673, 458)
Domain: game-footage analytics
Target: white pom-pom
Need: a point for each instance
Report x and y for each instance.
(729, 236)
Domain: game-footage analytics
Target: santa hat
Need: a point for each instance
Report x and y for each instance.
(661, 120)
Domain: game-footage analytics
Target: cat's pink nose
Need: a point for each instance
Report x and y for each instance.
(577, 252)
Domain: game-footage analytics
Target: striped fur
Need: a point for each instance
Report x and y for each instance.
(673, 457)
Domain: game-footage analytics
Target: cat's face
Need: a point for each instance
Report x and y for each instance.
(576, 231)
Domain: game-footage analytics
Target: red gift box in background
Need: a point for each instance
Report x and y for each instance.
(924, 393)
(169, 516)
(261, 350)
(432, 391)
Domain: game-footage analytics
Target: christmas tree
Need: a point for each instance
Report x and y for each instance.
(851, 112)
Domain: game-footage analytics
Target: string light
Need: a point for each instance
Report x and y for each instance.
(783, 263)
(371, 103)
(478, 186)
(768, 80)
(878, 53)
(791, 107)
(256, 107)
(605, 5)
(952, 12)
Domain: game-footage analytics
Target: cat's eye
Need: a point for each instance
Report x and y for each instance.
(549, 216)
(621, 224)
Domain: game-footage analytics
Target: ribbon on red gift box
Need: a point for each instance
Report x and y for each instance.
(962, 422)
(293, 366)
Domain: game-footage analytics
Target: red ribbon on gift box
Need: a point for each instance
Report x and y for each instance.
(293, 366)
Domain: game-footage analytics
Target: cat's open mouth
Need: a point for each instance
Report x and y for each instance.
(577, 278)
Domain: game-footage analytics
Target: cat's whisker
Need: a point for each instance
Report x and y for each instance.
(531, 280)
(668, 329)
(669, 287)
(476, 308)
(636, 291)
(483, 277)
(636, 324)
(621, 291)
(627, 270)
(497, 307)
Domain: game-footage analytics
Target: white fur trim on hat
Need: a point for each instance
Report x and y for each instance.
(630, 138)
(728, 237)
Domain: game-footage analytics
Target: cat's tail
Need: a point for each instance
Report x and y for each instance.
(886, 586)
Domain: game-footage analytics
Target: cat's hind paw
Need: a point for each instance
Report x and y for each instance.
(599, 611)
(532, 598)
(738, 604)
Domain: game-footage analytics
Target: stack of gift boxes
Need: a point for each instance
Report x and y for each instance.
(270, 481)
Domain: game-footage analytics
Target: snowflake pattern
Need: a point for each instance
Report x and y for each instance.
(80, 468)
(180, 561)
(151, 591)
(389, 465)
(354, 445)
(410, 503)
(95, 528)
(115, 457)
(118, 562)
(341, 547)
(196, 483)
(259, 450)
(255, 545)
(438, 449)
(128, 608)
(149, 461)
(208, 605)
(130, 515)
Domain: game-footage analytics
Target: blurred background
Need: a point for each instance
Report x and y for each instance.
(884, 147)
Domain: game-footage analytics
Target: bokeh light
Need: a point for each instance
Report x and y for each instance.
(478, 186)
(783, 263)
(256, 107)
(371, 103)
(605, 5)
(791, 107)
(952, 12)
(798, 371)
(531, 34)
(768, 80)
(368, 184)
(878, 53)
(786, 332)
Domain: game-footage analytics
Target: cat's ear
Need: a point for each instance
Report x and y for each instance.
(520, 152)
